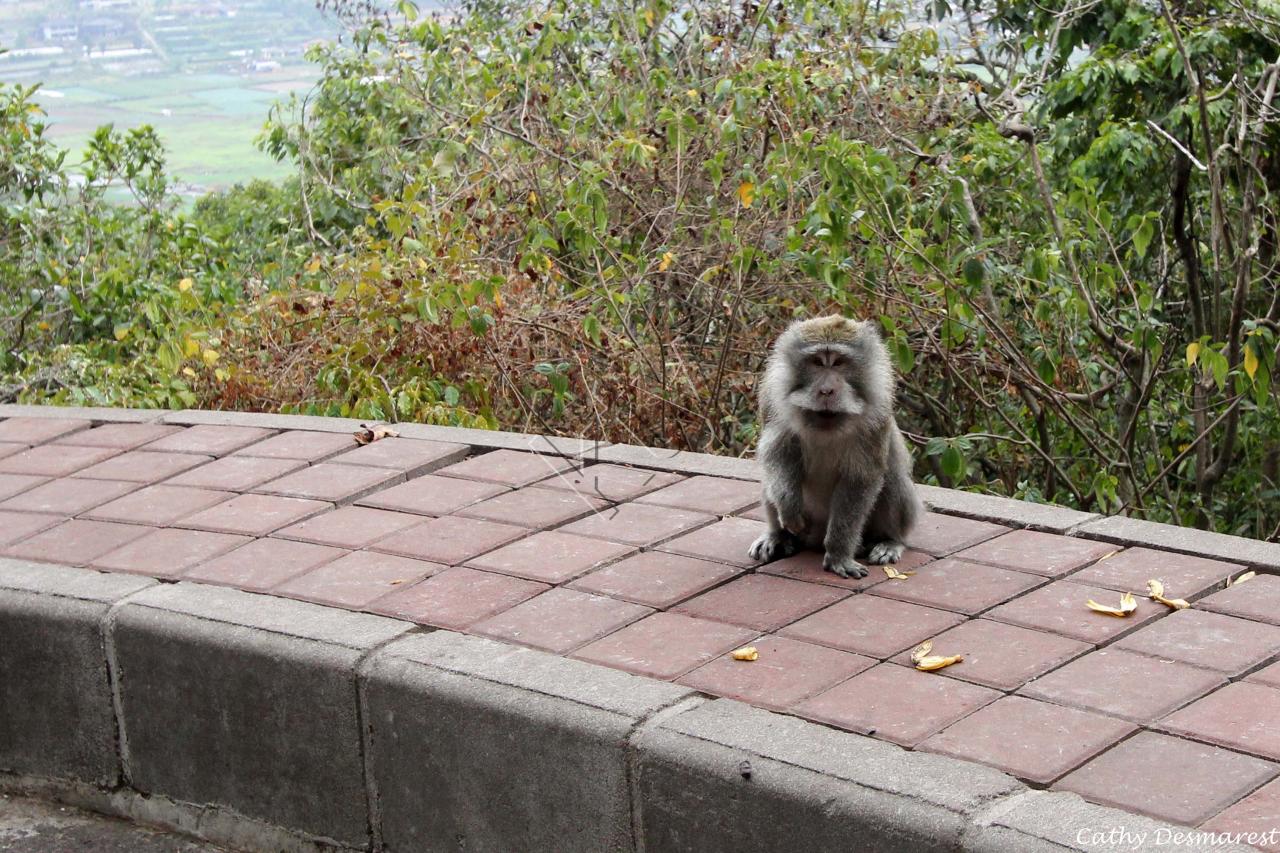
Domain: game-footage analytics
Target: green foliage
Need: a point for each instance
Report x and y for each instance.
(592, 217)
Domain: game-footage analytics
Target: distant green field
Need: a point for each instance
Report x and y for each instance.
(208, 131)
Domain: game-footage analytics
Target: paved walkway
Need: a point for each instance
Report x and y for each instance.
(35, 826)
(1167, 713)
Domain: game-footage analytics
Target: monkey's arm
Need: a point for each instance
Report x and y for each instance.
(783, 463)
(851, 504)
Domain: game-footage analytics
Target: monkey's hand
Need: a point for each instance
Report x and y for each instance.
(845, 567)
(773, 545)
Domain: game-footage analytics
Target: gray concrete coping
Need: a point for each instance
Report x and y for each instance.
(99, 414)
(272, 724)
(1188, 540)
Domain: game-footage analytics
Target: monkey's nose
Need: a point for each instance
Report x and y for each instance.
(826, 392)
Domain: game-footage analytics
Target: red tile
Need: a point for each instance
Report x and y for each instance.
(9, 448)
(756, 513)
(38, 430)
(357, 579)
(348, 527)
(118, 436)
(262, 564)
(16, 484)
(1165, 778)
(638, 524)
(210, 439)
(1138, 688)
(761, 602)
(807, 566)
(509, 467)
(715, 495)
(1047, 554)
(1060, 608)
(726, 541)
(76, 542)
(157, 505)
(951, 584)
(168, 553)
(301, 445)
(1240, 716)
(1257, 599)
(20, 525)
(1224, 643)
(1184, 576)
(254, 515)
(940, 535)
(609, 482)
(54, 460)
(1254, 814)
(655, 579)
(787, 672)
(449, 540)
(560, 620)
(69, 496)
(879, 627)
(534, 507)
(896, 703)
(550, 556)
(1269, 676)
(431, 495)
(665, 645)
(236, 473)
(456, 598)
(331, 482)
(1032, 740)
(1001, 656)
(143, 466)
(406, 455)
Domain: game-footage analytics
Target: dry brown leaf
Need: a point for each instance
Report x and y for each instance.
(746, 653)
(921, 651)
(895, 575)
(369, 433)
(932, 662)
(1244, 577)
(1128, 604)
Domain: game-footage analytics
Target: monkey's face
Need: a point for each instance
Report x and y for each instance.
(824, 394)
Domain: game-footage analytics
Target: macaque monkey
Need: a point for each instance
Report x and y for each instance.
(837, 476)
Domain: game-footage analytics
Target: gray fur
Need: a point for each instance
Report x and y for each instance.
(837, 475)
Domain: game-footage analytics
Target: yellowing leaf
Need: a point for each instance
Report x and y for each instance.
(665, 263)
(190, 348)
(210, 357)
(121, 331)
(921, 651)
(221, 375)
(185, 284)
(745, 653)
(1193, 352)
(894, 574)
(692, 94)
(1250, 361)
(1128, 604)
(313, 265)
(1244, 577)
(369, 433)
(187, 371)
(932, 662)
(746, 193)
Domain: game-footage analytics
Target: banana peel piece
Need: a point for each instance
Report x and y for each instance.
(895, 575)
(1128, 604)
(1156, 593)
(921, 651)
(929, 663)
(1244, 577)
(747, 653)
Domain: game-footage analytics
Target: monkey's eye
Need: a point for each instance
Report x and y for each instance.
(838, 361)
(816, 361)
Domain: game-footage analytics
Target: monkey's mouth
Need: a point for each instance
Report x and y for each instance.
(824, 418)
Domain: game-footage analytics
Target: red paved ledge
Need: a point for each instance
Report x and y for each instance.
(609, 558)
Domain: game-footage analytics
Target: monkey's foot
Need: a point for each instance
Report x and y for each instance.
(773, 545)
(883, 553)
(845, 567)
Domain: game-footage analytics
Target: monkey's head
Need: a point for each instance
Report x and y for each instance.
(829, 375)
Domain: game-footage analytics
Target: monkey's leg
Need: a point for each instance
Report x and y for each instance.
(783, 464)
(895, 514)
(851, 506)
